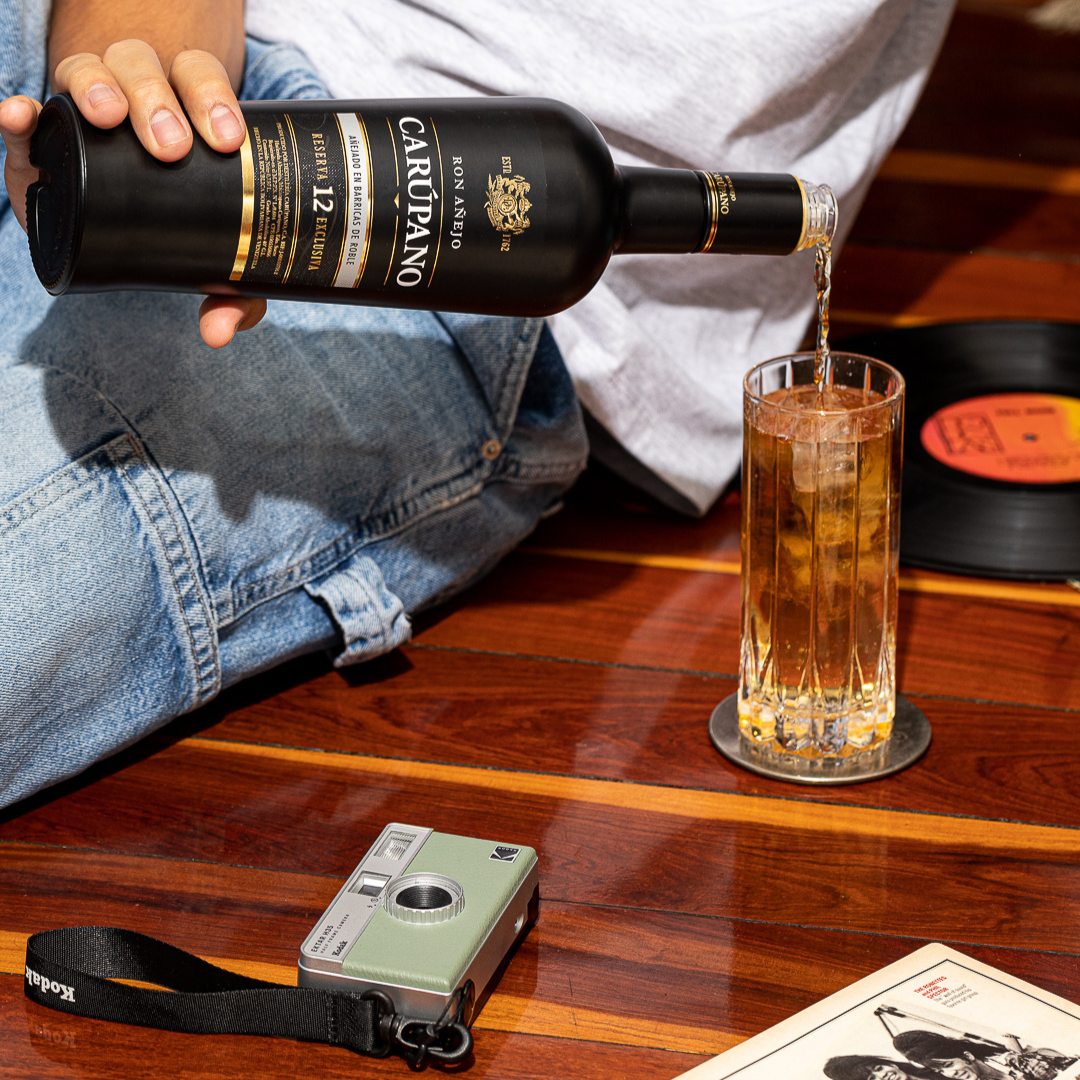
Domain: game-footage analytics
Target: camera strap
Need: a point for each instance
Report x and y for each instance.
(72, 970)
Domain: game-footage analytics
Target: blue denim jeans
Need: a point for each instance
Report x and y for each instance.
(174, 519)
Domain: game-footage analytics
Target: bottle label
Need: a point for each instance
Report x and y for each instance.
(392, 201)
(756, 213)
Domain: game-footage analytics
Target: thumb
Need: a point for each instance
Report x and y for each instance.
(18, 119)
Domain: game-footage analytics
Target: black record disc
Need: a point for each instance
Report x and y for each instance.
(991, 446)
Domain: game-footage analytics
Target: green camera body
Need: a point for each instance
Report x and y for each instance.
(423, 913)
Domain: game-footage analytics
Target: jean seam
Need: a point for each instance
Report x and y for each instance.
(204, 685)
(526, 328)
(90, 473)
(323, 561)
(500, 405)
(202, 593)
(197, 556)
(515, 472)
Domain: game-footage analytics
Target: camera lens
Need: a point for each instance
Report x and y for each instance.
(424, 897)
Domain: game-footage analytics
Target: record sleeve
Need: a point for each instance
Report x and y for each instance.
(936, 1009)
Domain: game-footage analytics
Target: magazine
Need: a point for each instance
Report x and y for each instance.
(935, 1014)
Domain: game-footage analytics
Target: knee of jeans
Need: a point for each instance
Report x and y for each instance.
(105, 630)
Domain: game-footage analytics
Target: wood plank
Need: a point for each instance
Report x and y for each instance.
(998, 7)
(886, 282)
(976, 171)
(586, 971)
(45, 1044)
(603, 512)
(615, 958)
(194, 907)
(968, 832)
(646, 726)
(807, 864)
(605, 521)
(899, 213)
(502, 1012)
(1002, 88)
(690, 621)
(920, 581)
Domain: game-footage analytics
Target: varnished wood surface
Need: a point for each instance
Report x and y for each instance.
(971, 219)
(687, 621)
(49, 1045)
(642, 726)
(934, 241)
(1002, 88)
(897, 286)
(563, 703)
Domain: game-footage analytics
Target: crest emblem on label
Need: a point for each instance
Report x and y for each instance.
(506, 204)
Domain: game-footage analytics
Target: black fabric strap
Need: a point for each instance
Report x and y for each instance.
(71, 970)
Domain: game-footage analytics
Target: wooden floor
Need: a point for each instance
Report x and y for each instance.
(563, 704)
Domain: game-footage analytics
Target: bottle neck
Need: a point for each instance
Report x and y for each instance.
(821, 215)
(677, 211)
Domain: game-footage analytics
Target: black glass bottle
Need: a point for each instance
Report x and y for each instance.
(503, 206)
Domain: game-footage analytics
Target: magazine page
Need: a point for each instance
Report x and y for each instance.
(935, 1014)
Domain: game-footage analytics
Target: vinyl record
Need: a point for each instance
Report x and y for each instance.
(991, 446)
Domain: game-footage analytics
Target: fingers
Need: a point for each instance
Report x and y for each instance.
(128, 80)
(220, 317)
(93, 87)
(204, 88)
(18, 119)
(154, 111)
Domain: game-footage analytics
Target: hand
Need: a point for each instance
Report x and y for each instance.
(128, 80)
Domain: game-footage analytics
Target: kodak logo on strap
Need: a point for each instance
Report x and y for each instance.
(67, 993)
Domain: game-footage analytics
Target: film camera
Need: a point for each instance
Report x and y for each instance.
(421, 916)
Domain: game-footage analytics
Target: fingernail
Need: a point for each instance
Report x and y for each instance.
(224, 123)
(99, 93)
(166, 128)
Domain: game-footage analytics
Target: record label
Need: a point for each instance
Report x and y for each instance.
(1025, 438)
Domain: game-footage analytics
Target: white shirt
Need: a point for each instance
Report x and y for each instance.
(819, 88)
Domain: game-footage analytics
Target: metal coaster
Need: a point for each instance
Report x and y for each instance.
(910, 738)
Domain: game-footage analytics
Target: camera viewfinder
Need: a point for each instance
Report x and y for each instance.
(368, 884)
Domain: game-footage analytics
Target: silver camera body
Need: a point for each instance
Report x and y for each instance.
(423, 913)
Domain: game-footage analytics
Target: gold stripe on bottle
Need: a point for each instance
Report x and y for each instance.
(397, 219)
(348, 197)
(805, 218)
(296, 199)
(247, 216)
(442, 201)
(713, 211)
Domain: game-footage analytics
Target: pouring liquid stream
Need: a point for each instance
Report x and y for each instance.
(823, 281)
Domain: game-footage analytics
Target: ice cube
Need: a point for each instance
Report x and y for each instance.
(834, 461)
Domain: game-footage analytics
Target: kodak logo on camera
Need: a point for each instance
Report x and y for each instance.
(504, 854)
(50, 986)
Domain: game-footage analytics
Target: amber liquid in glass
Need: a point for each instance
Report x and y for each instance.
(820, 534)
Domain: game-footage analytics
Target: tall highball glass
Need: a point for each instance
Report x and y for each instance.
(820, 546)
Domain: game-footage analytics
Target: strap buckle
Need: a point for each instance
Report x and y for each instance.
(448, 1040)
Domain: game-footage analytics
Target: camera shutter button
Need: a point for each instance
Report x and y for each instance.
(424, 898)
